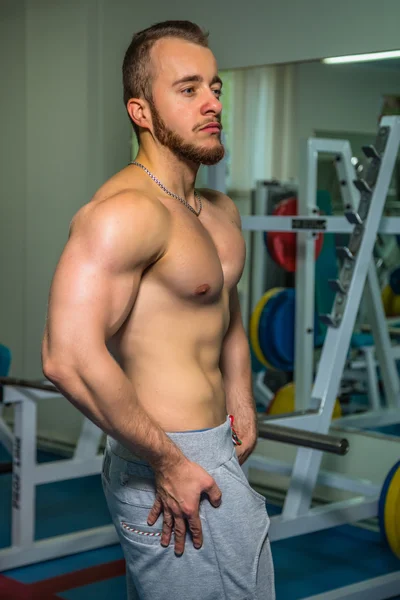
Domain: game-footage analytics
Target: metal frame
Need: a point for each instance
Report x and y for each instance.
(27, 474)
(297, 517)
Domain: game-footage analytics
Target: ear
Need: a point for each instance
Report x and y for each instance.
(139, 112)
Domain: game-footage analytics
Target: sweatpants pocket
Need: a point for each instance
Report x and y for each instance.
(156, 572)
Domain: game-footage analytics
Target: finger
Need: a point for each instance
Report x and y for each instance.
(214, 494)
(155, 511)
(167, 528)
(196, 530)
(180, 533)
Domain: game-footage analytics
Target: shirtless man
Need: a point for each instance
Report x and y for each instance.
(144, 336)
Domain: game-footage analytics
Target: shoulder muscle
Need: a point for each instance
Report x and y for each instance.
(225, 203)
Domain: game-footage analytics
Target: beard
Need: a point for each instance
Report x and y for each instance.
(182, 149)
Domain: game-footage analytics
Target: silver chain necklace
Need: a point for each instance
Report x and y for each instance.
(196, 195)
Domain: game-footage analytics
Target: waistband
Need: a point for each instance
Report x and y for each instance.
(210, 448)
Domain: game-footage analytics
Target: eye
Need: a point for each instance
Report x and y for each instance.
(218, 93)
(190, 90)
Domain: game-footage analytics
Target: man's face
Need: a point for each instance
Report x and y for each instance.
(186, 91)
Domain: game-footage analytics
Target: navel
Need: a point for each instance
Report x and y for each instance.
(202, 289)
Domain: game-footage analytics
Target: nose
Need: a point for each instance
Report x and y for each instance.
(212, 104)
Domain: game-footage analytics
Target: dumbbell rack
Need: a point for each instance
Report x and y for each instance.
(349, 287)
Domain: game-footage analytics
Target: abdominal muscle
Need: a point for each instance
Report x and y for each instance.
(179, 395)
(171, 356)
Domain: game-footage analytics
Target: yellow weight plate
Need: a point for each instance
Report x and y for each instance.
(337, 410)
(387, 296)
(284, 399)
(284, 402)
(395, 306)
(254, 322)
(392, 514)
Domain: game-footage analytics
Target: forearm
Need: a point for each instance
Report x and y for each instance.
(102, 392)
(239, 392)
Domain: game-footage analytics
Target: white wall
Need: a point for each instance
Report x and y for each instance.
(242, 35)
(338, 98)
(12, 178)
(259, 32)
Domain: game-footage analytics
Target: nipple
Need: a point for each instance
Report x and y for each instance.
(202, 289)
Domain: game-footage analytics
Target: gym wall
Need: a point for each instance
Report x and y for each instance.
(12, 178)
(339, 98)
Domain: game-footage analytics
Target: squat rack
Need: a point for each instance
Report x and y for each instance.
(315, 402)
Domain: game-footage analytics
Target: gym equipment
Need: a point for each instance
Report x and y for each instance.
(254, 325)
(27, 474)
(6, 436)
(5, 360)
(391, 294)
(26, 383)
(394, 281)
(364, 200)
(298, 437)
(272, 329)
(267, 338)
(282, 245)
(387, 300)
(389, 509)
(284, 402)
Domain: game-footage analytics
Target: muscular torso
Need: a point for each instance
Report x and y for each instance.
(170, 345)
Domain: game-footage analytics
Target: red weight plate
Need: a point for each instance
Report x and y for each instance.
(282, 244)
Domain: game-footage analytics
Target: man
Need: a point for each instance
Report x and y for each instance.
(144, 336)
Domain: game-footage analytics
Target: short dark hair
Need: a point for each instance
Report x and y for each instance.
(136, 72)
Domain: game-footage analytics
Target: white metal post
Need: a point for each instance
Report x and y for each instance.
(6, 435)
(372, 380)
(259, 251)
(305, 280)
(383, 346)
(23, 482)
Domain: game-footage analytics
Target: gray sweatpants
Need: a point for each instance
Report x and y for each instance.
(234, 562)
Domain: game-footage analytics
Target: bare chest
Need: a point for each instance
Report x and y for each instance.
(205, 255)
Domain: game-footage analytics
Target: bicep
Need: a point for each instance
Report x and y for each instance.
(88, 300)
(97, 280)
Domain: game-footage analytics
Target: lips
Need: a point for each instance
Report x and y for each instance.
(212, 127)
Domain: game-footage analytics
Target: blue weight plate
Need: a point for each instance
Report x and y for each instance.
(263, 329)
(265, 337)
(5, 360)
(382, 499)
(394, 281)
(282, 327)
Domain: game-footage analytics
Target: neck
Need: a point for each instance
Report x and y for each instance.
(176, 174)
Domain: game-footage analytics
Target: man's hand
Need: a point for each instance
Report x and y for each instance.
(178, 492)
(244, 450)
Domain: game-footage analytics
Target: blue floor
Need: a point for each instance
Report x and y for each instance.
(305, 565)
(114, 588)
(393, 430)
